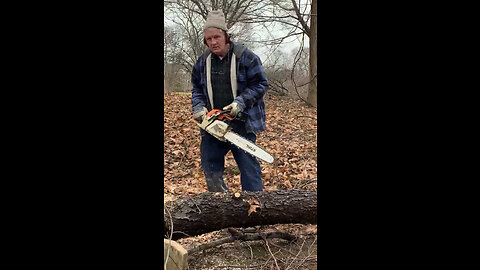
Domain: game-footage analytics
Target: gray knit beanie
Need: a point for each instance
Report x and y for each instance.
(216, 19)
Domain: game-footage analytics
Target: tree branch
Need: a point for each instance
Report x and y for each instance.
(238, 235)
(300, 18)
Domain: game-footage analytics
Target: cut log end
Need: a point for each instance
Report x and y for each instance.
(177, 255)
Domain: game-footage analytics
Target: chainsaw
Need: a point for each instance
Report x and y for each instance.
(217, 123)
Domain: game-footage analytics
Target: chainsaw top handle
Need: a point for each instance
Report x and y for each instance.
(220, 114)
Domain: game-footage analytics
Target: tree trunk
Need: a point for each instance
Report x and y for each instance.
(312, 87)
(213, 211)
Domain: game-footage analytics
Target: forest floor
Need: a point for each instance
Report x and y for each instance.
(291, 137)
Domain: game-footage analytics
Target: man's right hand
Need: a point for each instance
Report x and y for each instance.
(200, 114)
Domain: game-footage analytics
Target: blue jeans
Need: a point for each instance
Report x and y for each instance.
(213, 151)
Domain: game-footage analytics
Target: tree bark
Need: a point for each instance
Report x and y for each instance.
(312, 87)
(213, 211)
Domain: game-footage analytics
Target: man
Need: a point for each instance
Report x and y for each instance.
(228, 76)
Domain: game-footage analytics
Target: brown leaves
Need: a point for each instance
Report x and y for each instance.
(290, 137)
(182, 172)
(254, 204)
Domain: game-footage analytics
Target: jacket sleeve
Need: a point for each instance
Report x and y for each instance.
(257, 82)
(199, 100)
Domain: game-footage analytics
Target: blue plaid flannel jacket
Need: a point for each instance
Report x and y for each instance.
(251, 86)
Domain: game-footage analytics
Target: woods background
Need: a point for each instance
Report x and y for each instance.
(282, 32)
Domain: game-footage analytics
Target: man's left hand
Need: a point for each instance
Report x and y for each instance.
(234, 108)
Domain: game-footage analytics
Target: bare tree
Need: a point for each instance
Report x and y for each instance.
(278, 73)
(305, 21)
(312, 90)
(174, 73)
(190, 16)
(302, 64)
(190, 43)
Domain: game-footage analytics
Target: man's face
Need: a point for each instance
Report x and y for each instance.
(216, 41)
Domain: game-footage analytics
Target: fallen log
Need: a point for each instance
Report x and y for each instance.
(212, 211)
